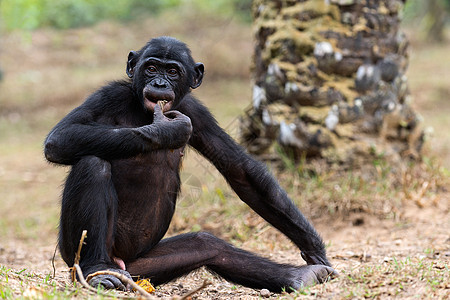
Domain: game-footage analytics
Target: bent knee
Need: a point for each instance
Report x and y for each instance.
(205, 236)
(210, 241)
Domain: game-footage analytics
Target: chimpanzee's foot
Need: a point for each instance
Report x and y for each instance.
(308, 275)
(110, 281)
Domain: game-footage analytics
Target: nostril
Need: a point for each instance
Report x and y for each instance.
(160, 83)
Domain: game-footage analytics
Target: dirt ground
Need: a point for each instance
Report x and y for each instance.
(357, 244)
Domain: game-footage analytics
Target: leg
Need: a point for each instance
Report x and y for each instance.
(179, 255)
(89, 203)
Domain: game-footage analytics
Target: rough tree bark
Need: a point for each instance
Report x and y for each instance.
(330, 83)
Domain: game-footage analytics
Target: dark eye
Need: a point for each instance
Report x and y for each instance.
(172, 72)
(151, 69)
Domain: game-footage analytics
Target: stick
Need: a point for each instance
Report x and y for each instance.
(122, 278)
(82, 280)
(80, 245)
(190, 293)
(78, 255)
(53, 262)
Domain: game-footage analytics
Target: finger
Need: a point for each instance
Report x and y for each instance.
(172, 114)
(315, 260)
(157, 113)
(306, 258)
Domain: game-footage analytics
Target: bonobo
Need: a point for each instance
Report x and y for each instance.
(125, 151)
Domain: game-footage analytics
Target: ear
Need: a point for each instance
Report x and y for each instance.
(199, 70)
(133, 57)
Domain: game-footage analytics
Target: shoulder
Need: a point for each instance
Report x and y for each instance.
(109, 100)
(113, 93)
(196, 110)
(116, 90)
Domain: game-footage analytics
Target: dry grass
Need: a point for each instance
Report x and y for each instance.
(387, 235)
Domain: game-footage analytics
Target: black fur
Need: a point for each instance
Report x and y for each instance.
(125, 156)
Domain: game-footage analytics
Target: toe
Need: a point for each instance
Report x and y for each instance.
(107, 281)
(101, 280)
(117, 283)
(325, 273)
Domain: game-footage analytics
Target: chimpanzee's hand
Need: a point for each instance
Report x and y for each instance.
(110, 281)
(169, 131)
(315, 259)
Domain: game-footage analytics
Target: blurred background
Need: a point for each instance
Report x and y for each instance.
(55, 53)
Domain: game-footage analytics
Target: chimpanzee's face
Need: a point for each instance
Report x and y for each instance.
(163, 70)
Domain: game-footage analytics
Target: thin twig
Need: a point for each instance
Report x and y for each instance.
(190, 293)
(53, 262)
(82, 280)
(78, 255)
(80, 245)
(122, 278)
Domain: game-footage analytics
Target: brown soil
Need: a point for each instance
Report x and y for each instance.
(356, 243)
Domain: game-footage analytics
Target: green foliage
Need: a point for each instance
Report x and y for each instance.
(63, 14)
(71, 13)
(415, 11)
(24, 14)
(32, 14)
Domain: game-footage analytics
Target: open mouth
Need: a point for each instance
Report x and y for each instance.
(164, 104)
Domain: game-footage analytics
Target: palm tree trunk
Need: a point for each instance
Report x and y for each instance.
(330, 83)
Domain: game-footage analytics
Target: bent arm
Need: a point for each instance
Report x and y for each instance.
(254, 184)
(78, 135)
